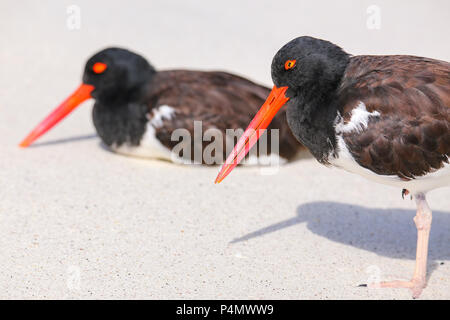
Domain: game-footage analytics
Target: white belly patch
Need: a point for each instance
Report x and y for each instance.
(150, 146)
(344, 160)
(430, 181)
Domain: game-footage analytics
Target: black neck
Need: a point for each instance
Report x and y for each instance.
(311, 117)
(123, 120)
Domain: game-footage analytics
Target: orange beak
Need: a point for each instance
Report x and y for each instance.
(255, 130)
(74, 100)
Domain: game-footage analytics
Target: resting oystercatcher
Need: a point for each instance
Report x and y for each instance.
(137, 109)
(386, 118)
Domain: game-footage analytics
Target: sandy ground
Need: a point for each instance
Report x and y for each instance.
(77, 221)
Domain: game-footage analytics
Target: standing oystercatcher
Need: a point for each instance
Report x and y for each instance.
(137, 108)
(386, 118)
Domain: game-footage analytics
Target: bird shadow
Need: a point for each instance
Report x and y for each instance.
(386, 232)
(65, 140)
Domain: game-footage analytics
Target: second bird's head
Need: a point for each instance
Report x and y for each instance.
(112, 76)
(116, 73)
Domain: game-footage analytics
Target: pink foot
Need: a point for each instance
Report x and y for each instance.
(415, 285)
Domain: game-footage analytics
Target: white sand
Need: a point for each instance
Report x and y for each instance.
(77, 221)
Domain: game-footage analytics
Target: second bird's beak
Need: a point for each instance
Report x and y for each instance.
(276, 99)
(74, 100)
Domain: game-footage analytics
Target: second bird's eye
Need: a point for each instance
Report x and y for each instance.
(99, 67)
(289, 64)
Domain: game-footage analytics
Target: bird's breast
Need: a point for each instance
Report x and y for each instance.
(150, 145)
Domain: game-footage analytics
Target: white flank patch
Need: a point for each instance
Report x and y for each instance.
(150, 147)
(430, 181)
(358, 121)
(344, 160)
(159, 114)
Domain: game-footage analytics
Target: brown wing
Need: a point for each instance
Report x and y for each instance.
(412, 94)
(220, 100)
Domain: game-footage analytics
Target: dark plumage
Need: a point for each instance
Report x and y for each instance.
(312, 84)
(412, 136)
(386, 118)
(219, 99)
(129, 92)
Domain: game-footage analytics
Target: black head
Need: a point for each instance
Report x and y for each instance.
(309, 66)
(117, 74)
(306, 73)
(114, 77)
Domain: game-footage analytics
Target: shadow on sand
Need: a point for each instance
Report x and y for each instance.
(386, 232)
(65, 140)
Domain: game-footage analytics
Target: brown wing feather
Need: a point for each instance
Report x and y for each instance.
(412, 94)
(220, 100)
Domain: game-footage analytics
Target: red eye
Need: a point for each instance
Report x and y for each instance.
(99, 67)
(289, 64)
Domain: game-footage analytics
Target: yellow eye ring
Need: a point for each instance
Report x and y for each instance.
(289, 64)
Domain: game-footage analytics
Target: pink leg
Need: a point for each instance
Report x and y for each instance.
(423, 224)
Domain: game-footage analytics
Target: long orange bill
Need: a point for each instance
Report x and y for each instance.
(255, 130)
(74, 100)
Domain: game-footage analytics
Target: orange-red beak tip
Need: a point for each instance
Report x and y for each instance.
(26, 142)
(81, 94)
